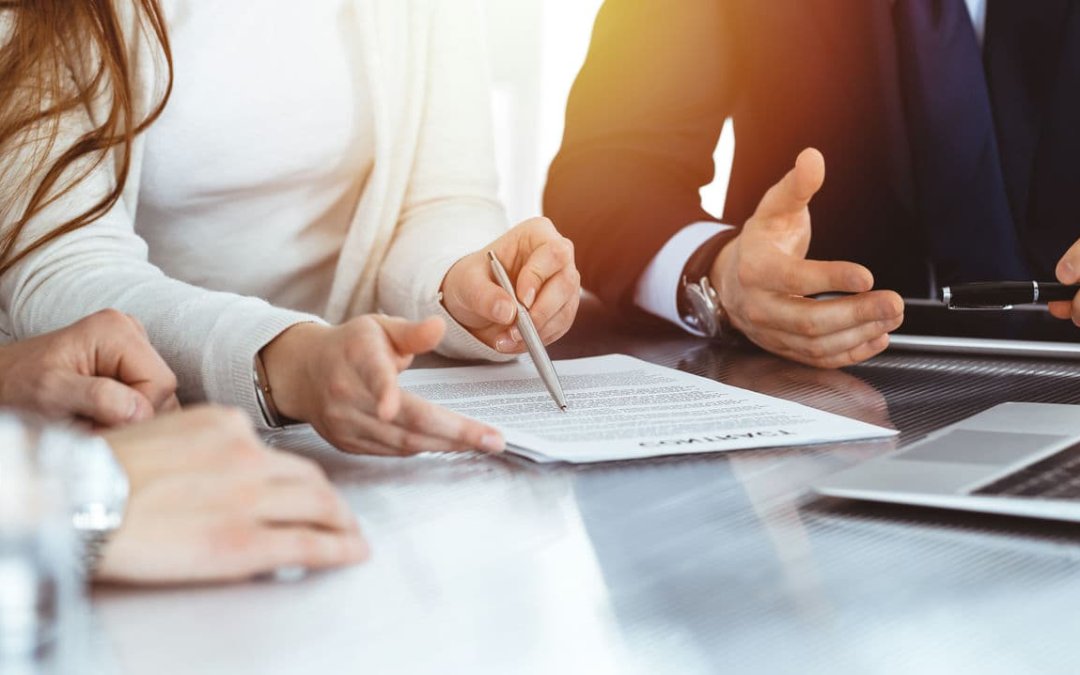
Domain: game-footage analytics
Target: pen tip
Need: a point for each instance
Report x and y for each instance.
(563, 408)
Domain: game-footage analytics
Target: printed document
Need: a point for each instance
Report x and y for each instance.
(624, 408)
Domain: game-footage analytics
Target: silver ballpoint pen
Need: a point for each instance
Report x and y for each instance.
(532, 339)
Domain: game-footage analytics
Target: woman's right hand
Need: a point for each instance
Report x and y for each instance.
(343, 380)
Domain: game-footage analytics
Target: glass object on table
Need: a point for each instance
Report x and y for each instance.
(42, 602)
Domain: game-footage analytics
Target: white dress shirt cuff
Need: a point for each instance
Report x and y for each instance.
(658, 288)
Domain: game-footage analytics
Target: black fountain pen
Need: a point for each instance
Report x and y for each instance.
(1005, 294)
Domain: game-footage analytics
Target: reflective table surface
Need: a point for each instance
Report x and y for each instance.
(721, 563)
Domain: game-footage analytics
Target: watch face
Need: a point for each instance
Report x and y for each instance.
(97, 487)
(704, 310)
(96, 517)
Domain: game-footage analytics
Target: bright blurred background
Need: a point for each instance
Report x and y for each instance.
(537, 48)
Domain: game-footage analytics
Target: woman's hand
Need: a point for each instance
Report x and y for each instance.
(210, 503)
(102, 368)
(343, 380)
(540, 262)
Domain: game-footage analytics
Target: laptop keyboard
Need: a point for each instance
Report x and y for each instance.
(1056, 477)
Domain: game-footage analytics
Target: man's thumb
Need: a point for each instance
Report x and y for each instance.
(795, 190)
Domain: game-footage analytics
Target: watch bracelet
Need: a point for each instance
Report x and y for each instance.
(700, 263)
(264, 396)
(93, 551)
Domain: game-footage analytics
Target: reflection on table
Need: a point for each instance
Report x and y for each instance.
(705, 564)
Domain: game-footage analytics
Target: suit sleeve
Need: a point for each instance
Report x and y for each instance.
(642, 124)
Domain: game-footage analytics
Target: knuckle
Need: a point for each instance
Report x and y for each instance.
(247, 454)
(109, 317)
(100, 393)
(340, 387)
(358, 349)
(338, 419)
(816, 350)
(790, 278)
(134, 321)
(50, 383)
(230, 539)
(358, 330)
(753, 313)
(808, 324)
(413, 444)
(745, 273)
(541, 316)
(541, 224)
(234, 421)
(565, 250)
(836, 363)
(358, 447)
(237, 433)
(307, 547)
(852, 356)
(311, 469)
(364, 324)
(245, 497)
(330, 507)
(575, 278)
(169, 382)
(110, 323)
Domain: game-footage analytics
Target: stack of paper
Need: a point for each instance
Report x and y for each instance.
(624, 408)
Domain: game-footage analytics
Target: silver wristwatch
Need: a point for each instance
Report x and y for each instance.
(97, 488)
(698, 302)
(702, 310)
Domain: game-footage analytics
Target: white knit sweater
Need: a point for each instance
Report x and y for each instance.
(429, 200)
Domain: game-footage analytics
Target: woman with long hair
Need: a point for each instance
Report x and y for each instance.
(261, 184)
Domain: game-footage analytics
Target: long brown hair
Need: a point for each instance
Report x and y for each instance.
(67, 57)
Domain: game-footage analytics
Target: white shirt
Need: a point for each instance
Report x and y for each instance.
(264, 148)
(658, 288)
(431, 196)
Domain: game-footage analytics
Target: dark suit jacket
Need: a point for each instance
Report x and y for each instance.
(662, 77)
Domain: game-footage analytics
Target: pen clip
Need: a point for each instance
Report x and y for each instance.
(501, 276)
(988, 308)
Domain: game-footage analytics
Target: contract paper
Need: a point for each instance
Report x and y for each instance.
(624, 408)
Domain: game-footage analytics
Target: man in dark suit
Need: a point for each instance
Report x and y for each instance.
(951, 130)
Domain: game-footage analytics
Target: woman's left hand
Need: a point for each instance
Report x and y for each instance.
(540, 262)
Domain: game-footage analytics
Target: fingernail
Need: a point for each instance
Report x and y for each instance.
(492, 443)
(505, 344)
(1067, 273)
(504, 312)
(530, 298)
(133, 414)
(515, 335)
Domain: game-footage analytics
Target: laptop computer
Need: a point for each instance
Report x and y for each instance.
(1020, 459)
(1023, 331)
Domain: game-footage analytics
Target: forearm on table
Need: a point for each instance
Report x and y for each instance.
(208, 338)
